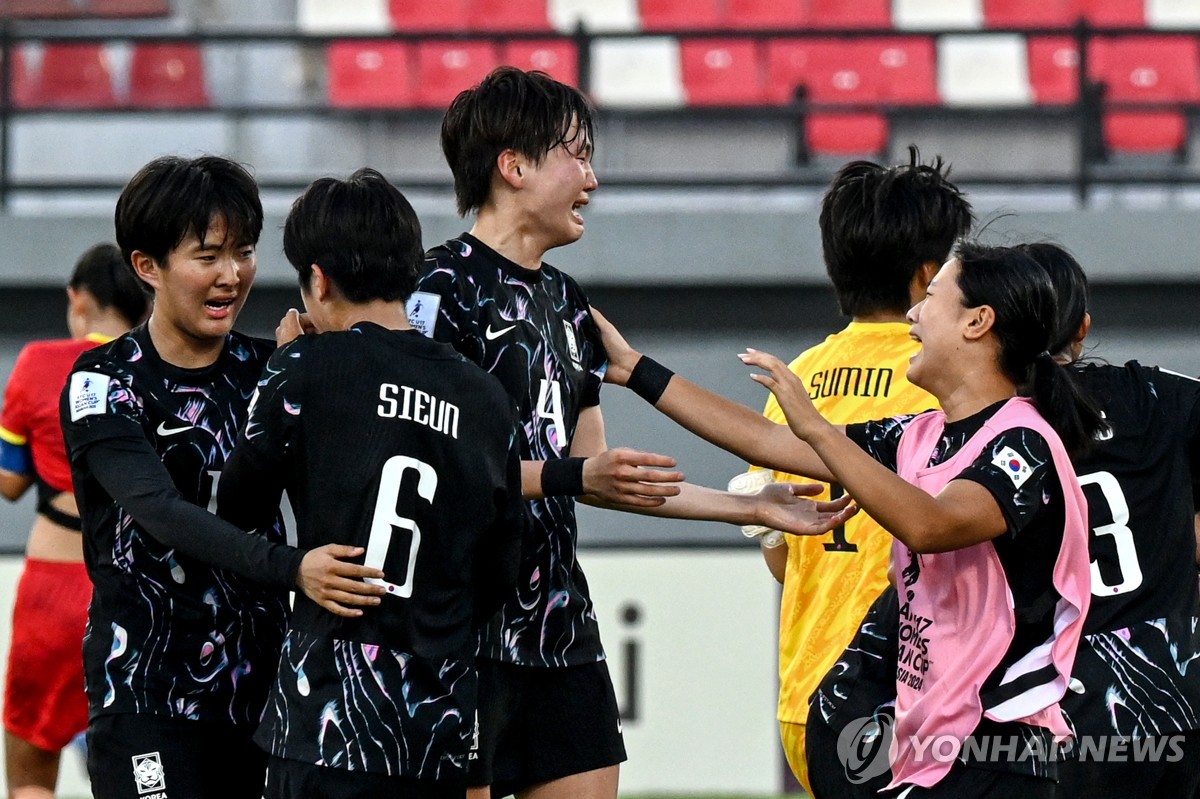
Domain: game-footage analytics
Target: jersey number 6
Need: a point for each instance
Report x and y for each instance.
(386, 519)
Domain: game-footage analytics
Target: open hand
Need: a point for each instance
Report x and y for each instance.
(789, 390)
(621, 357)
(329, 579)
(631, 477)
(783, 506)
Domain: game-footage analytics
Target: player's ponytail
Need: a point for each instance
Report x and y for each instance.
(1022, 296)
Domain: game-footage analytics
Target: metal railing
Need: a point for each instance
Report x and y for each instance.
(1084, 114)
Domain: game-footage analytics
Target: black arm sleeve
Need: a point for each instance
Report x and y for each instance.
(130, 471)
(498, 559)
(249, 492)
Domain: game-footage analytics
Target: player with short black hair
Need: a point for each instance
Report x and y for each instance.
(188, 611)
(885, 232)
(520, 147)
(392, 442)
(44, 703)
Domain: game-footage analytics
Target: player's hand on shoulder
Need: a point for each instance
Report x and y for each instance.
(631, 477)
(621, 357)
(785, 506)
(292, 326)
(328, 578)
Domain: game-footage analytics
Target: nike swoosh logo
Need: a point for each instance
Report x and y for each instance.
(492, 335)
(163, 430)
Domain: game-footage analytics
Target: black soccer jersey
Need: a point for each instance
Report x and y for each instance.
(1136, 673)
(168, 634)
(533, 330)
(386, 440)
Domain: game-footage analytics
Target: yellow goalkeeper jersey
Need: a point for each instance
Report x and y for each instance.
(855, 375)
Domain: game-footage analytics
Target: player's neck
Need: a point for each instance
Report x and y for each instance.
(879, 317)
(389, 315)
(973, 393)
(178, 348)
(509, 238)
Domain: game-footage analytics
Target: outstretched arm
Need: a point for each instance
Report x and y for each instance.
(963, 513)
(782, 506)
(727, 424)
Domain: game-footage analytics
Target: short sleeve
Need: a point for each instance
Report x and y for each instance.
(276, 406)
(15, 418)
(880, 438)
(1017, 468)
(597, 364)
(438, 307)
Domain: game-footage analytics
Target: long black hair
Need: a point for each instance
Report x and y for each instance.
(102, 272)
(1070, 290)
(1022, 295)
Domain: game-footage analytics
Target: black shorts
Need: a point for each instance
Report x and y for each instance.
(291, 779)
(963, 781)
(540, 724)
(1175, 773)
(141, 756)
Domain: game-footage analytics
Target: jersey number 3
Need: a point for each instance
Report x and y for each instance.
(387, 519)
(1129, 570)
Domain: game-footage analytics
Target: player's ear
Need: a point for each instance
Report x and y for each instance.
(510, 166)
(981, 320)
(145, 267)
(319, 285)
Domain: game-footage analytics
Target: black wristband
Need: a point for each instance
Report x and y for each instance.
(649, 379)
(562, 477)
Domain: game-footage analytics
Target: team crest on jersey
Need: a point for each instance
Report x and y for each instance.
(1015, 466)
(88, 395)
(148, 773)
(423, 311)
(572, 344)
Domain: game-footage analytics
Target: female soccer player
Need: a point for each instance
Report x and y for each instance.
(987, 513)
(44, 703)
(188, 611)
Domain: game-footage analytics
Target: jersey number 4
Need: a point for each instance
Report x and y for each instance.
(1129, 571)
(387, 519)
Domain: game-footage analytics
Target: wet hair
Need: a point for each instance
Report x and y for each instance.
(102, 272)
(528, 112)
(880, 224)
(1021, 293)
(1070, 290)
(363, 234)
(173, 197)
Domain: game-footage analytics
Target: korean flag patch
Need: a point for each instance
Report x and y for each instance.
(1015, 466)
(88, 395)
(423, 311)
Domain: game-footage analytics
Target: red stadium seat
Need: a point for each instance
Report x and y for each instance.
(1054, 69)
(721, 72)
(38, 9)
(558, 58)
(1150, 69)
(368, 74)
(73, 75)
(443, 69)
(850, 14)
(676, 15)
(509, 15)
(21, 87)
(1115, 13)
(128, 8)
(167, 75)
(765, 14)
(888, 70)
(1031, 13)
(429, 16)
(846, 134)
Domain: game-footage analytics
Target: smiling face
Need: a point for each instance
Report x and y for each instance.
(554, 190)
(938, 322)
(200, 290)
